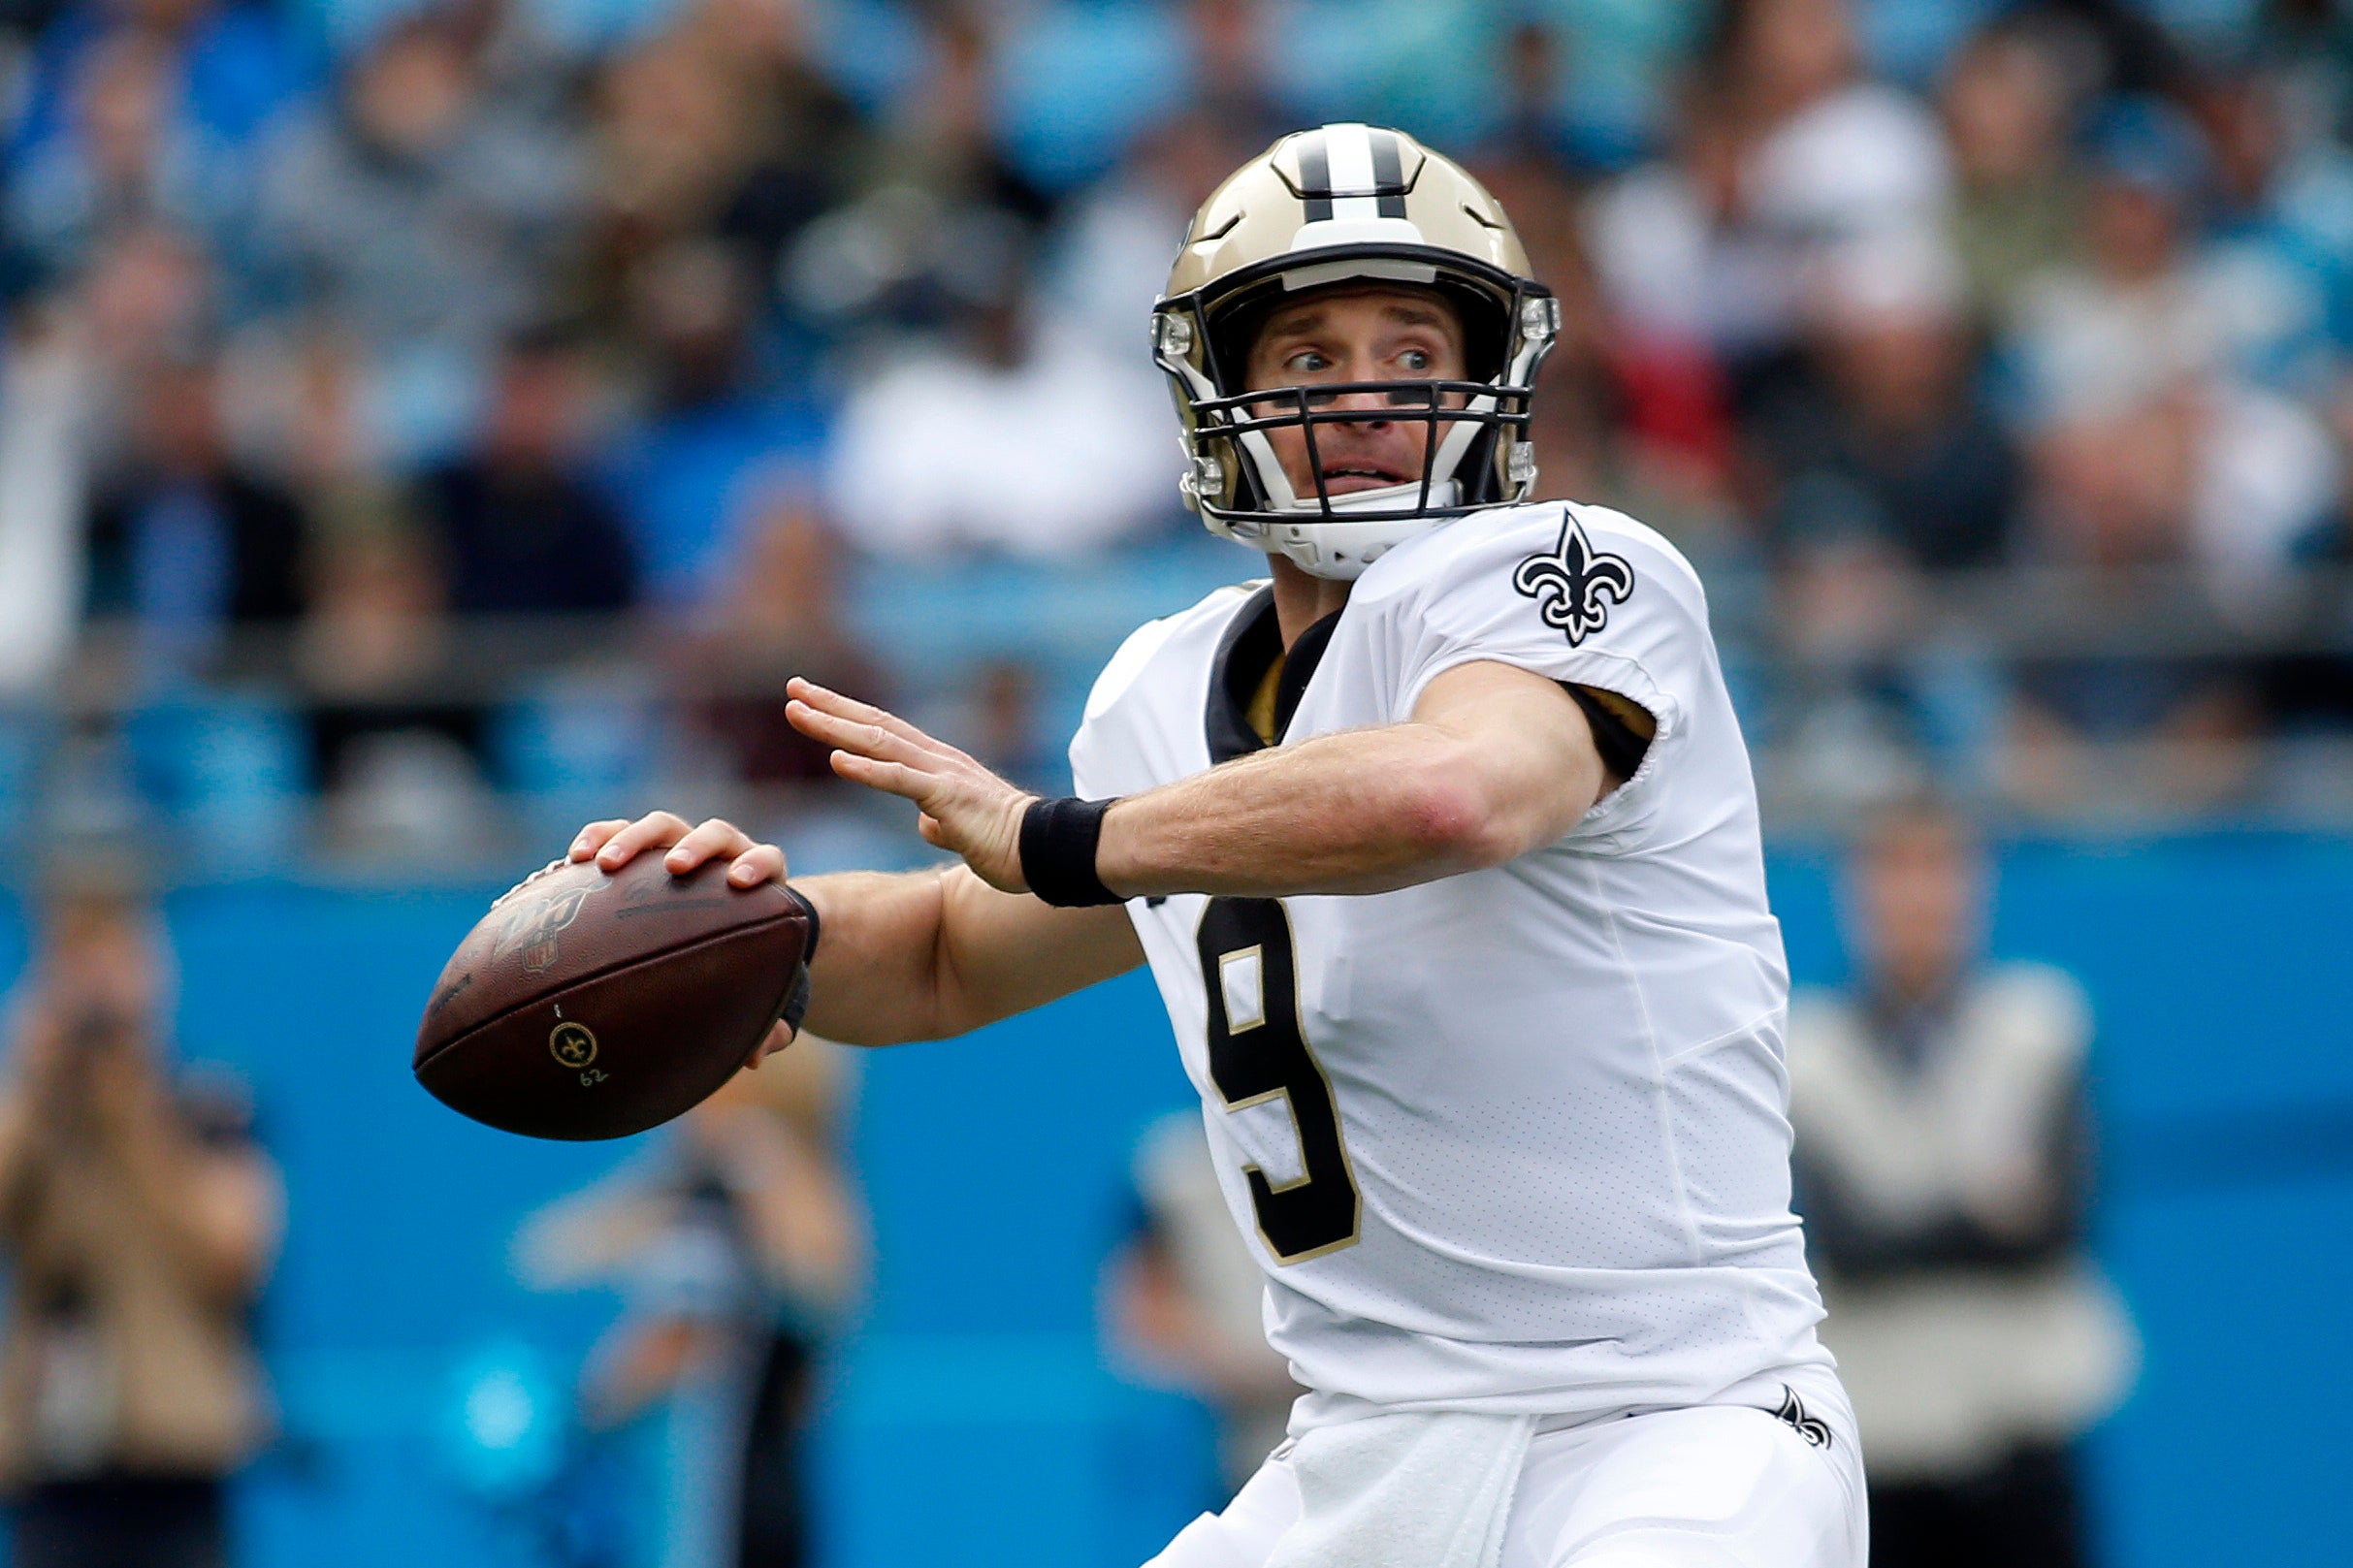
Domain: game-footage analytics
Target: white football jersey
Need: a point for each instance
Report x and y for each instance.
(1516, 1140)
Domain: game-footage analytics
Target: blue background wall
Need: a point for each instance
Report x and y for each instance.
(971, 1420)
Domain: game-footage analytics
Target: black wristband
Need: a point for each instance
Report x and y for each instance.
(1058, 841)
(809, 909)
(796, 1001)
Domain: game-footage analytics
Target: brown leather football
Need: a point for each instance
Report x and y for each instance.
(587, 1006)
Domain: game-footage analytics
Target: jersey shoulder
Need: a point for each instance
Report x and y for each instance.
(1137, 655)
(1575, 560)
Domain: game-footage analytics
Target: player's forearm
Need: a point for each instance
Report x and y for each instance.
(936, 954)
(1363, 811)
(875, 977)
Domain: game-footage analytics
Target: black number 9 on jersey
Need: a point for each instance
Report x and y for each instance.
(1257, 1053)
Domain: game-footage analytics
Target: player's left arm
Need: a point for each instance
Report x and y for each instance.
(1494, 761)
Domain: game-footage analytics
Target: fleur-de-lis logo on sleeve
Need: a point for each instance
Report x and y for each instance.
(1812, 1427)
(1576, 583)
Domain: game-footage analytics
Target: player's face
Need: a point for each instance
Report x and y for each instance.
(1922, 905)
(1372, 334)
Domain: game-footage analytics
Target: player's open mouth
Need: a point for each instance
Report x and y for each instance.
(1342, 478)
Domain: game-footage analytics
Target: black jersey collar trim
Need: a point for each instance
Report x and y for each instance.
(1253, 640)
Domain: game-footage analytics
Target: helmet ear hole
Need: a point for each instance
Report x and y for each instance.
(1234, 335)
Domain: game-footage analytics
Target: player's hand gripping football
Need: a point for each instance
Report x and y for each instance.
(613, 843)
(966, 808)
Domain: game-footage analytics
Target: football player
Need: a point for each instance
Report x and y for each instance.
(1441, 843)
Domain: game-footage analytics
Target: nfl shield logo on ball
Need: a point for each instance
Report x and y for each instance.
(534, 927)
(572, 1044)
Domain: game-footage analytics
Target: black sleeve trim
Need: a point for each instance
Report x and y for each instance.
(1622, 749)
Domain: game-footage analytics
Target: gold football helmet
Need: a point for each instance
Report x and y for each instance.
(1342, 203)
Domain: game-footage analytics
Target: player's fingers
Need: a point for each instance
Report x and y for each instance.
(890, 778)
(826, 700)
(819, 700)
(711, 840)
(761, 863)
(778, 1037)
(655, 830)
(857, 735)
(594, 837)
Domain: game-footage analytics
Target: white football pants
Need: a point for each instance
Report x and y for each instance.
(1711, 1486)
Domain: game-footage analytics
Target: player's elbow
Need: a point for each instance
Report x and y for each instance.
(1447, 816)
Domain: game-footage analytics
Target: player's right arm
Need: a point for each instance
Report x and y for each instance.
(921, 955)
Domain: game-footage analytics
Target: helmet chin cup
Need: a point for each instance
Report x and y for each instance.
(1339, 552)
(1335, 538)
(1331, 545)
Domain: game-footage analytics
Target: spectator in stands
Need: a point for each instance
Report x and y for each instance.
(716, 434)
(1016, 434)
(1685, 292)
(1943, 1167)
(138, 1220)
(2281, 229)
(238, 63)
(515, 528)
(1182, 1299)
(73, 369)
(1684, 282)
(1784, 152)
(1827, 156)
(138, 112)
(2117, 494)
(1881, 431)
(185, 540)
(1013, 440)
(43, 382)
(520, 527)
(2159, 332)
(779, 615)
(1031, 438)
(737, 1246)
(2006, 109)
(121, 158)
(1112, 244)
(2142, 312)
(1230, 57)
(1526, 167)
(395, 749)
(718, 128)
(1875, 467)
(424, 218)
(944, 225)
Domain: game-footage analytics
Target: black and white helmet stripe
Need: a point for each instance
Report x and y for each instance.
(1352, 171)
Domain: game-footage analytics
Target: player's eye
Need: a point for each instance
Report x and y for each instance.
(1307, 362)
(1414, 359)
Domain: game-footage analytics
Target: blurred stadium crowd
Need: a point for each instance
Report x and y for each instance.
(420, 408)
